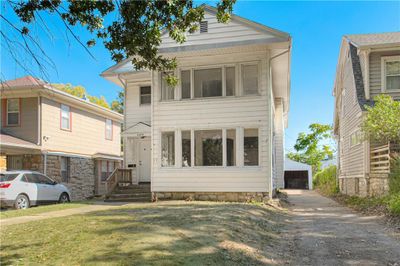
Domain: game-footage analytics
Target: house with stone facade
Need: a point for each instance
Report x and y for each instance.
(73, 141)
(369, 65)
(219, 133)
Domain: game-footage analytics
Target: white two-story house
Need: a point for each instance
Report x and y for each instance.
(219, 133)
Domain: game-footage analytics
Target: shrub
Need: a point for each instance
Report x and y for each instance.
(325, 181)
(394, 178)
(394, 204)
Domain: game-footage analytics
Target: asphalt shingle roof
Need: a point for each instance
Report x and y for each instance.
(22, 82)
(375, 39)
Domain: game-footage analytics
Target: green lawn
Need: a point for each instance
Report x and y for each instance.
(10, 213)
(167, 233)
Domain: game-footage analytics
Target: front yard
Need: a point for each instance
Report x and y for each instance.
(167, 233)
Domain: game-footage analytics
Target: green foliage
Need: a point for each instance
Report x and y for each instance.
(394, 204)
(309, 149)
(134, 33)
(394, 177)
(382, 122)
(80, 91)
(118, 104)
(326, 181)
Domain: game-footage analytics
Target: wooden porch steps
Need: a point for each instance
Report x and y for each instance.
(130, 193)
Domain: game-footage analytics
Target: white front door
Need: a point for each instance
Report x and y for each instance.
(144, 160)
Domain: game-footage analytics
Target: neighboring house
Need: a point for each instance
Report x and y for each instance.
(297, 175)
(369, 64)
(71, 140)
(219, 133)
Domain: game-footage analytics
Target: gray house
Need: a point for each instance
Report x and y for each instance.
(369, 65)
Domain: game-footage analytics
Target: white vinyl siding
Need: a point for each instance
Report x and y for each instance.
(65, 117)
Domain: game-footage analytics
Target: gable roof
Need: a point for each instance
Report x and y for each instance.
(23, 82)
(374, 39)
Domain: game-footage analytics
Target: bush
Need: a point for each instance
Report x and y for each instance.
(394, 204)
(394, 178)
(326, 181)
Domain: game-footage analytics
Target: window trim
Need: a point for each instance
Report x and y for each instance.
(112, 129)
(70, 118)
(6, 124)
(140, 95)
(384, 60)
(356, 131)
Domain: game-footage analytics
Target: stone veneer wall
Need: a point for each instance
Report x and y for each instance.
(82, 175)
(375, 185)
(213, 196)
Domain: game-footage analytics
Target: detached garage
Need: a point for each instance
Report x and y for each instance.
(297, 175)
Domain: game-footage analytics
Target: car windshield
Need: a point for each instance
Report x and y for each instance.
(7, 177)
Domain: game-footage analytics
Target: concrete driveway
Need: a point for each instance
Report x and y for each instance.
(322, 232)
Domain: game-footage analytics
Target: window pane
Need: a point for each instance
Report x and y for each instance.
(251, 147)
(145, 90)
(168, 149)
(12, 118)
(167, 91)
(65, 117)
(65, 123)
(393, 68)
(108, 129)
(250, 79)
(186, 149)
(231, 147)
(104, 172)
(145, 99)
(208, 82)
(208, 148)
(392, 83)
(145, 95)
(230, 81)
(13, 105)
(185, 82)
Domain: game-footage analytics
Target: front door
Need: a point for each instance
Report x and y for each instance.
(144, 160)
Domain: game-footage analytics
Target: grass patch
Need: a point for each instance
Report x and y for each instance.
(10, 213)
(325, 181)
(172, 233)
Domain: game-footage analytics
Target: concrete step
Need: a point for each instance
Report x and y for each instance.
(134, 199)
(130, 195)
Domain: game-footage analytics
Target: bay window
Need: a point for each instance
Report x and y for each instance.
(250, 147)
(208, 147)
(167, 149)
(391, 73)
(13, 112)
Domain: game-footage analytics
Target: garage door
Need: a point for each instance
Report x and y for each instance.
(296, 179)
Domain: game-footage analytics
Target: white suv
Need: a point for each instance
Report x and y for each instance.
(22, 189)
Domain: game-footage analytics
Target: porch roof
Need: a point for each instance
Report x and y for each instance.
(13, 145)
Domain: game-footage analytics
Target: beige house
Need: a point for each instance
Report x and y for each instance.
(219, 133)
(369, 64)
(70, 139)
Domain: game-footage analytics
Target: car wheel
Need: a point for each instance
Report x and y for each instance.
(22, 202)
(64, 198)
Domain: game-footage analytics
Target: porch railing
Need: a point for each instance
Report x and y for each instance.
(381, 157)
(119, 175)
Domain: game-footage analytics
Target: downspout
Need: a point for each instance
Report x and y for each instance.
(39, 121)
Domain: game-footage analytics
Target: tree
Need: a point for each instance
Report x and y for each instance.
(134, 31)
(80, 92)
(382, 121)
(118, 104)
(309, 147)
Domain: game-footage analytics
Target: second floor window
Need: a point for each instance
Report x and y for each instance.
(391, 75)
(65, 117)
(250, 79)
(109, 127)
(13, 112)
(145, 95)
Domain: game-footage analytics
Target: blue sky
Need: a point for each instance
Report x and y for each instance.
(316, 29)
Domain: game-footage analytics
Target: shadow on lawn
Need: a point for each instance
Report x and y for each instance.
(191, 234)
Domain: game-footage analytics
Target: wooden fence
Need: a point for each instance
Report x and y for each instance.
(381, 157)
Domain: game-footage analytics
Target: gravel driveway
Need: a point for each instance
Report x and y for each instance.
(322, 232)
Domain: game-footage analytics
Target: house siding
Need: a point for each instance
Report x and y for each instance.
(375, 70)
(215, 113)
(279, 144)
(87, 134)
(135, 112)
(28, 128)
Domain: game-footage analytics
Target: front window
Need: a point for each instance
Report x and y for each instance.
(208, 147)
(65, 169)
(109, 126)
(13, 114)
(392, 73)
(186, 149)
(185, 83)
(145, 95)
(250, 79)
(167, 91)
(231, 147)
(208, 82)
(65, 117)
(167, 149)
(250, 147)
